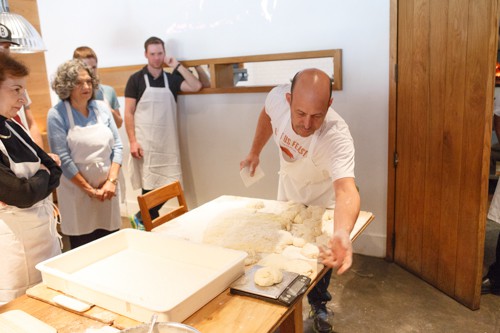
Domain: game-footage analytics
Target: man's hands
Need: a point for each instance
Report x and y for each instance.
(170, 61)
(338, 253)
(251, 161)
(136, 150)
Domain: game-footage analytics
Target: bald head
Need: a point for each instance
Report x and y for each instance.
(314, 80)
(309, 100)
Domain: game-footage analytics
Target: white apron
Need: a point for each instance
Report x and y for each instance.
(90, 148)
(301, 180)
(27, 236)
(156, 131)
(494, 211)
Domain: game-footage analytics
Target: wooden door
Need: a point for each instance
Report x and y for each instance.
(440, 131)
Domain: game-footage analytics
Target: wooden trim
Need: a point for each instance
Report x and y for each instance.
(221, 77)
(391, 177)
(37, 83)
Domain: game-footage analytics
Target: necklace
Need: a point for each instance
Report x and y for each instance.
(6, 136)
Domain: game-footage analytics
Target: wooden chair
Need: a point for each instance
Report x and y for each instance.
(159, 196)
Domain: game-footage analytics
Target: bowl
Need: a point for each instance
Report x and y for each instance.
(163, 327)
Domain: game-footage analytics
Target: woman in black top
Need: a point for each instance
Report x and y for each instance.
(27, 177)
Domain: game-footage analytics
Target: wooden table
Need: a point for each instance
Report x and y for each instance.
(225, 313)
(242, 313)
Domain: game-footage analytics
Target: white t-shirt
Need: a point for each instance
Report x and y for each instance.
(334, 151)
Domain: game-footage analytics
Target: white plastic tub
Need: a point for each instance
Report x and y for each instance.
(136, 273)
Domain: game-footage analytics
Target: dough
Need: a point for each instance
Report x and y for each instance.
(285, 239)
(267, 276)
(316, 212)
(299, 266)
(245, 230)
(251, 260)
(256, 205)
(310, 251)
(299, 242)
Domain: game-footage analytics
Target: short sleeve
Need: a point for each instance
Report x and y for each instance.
(132, 88)
(276, 101)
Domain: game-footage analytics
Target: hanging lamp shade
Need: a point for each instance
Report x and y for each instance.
(23, 32)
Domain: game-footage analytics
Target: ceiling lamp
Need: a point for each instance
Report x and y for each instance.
(23, 32)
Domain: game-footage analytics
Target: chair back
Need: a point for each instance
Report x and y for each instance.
(159, 196)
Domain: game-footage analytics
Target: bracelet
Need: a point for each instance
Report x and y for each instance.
(176, 67)
(113, 181)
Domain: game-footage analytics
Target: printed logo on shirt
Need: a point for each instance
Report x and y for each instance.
(292, 148)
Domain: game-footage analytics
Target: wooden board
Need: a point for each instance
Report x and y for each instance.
(63, 321)
(17, 321)
(43, 293)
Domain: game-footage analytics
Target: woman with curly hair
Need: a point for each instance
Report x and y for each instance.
(82, 132)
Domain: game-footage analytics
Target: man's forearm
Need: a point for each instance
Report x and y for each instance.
(347, 206)
(129, 121)
(263, 132)
(191, 80)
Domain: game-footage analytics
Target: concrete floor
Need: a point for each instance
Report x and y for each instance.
(377, 296)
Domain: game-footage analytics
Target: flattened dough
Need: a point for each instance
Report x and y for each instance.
(267, 276)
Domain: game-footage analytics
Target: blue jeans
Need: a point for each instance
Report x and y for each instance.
(319, 294)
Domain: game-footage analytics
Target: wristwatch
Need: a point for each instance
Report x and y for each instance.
(112, 180)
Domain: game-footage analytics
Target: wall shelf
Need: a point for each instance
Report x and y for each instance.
(221, 71)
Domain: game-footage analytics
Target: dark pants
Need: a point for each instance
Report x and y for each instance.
(494, 271)
(154, 212)
(76, 241)
(319, 294)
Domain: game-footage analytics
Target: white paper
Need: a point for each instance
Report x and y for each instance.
(249, 180)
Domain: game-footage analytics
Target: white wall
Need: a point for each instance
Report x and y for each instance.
(216, 130)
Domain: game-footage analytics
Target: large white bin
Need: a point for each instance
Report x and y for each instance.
(136, 273)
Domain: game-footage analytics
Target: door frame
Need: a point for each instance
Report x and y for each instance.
(391, 172)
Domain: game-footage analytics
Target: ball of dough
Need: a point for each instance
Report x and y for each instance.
(299, 242)
(267, 276)
(310, 251)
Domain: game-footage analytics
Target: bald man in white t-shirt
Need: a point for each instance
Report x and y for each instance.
(316, 166)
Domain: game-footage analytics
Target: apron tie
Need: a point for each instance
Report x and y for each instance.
(98, 165)
(52, 211)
